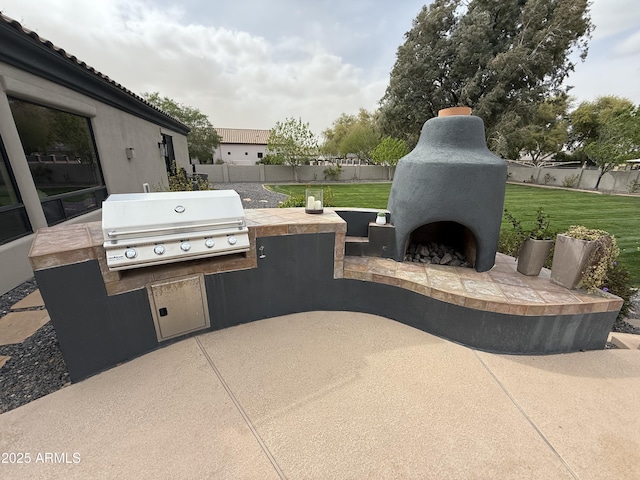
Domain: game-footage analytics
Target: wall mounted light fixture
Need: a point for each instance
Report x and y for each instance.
(163, 149)
(131, 153)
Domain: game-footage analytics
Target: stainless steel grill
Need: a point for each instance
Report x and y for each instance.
(142, 229)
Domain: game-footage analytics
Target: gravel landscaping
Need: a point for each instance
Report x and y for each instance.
(254, 195)
(36, 367)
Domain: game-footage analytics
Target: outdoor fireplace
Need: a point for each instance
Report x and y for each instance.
(450, 190)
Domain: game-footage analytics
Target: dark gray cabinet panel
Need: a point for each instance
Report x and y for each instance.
(95, 331)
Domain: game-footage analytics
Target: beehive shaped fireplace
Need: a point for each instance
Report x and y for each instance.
(450, 190)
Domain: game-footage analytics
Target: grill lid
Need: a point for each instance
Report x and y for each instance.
(141, 215)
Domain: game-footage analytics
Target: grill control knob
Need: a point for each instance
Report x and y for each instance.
(130, 253)
(158, 249)
(185, 246)
(209, 243)
(232, 240)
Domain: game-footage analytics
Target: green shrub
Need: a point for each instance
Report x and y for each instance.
(570, 180)
(601, 260)
(333, 173)
(618, 282)
(293, 201)
(180, 182)
(509, 243)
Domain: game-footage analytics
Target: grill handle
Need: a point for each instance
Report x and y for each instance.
(115, 233)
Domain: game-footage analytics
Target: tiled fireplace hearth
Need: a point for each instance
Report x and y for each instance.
(297, 263)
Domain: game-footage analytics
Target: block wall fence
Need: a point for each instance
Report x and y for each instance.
(618, 181)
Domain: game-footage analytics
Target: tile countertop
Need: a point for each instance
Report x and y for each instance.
(501, 290)
(69, 244)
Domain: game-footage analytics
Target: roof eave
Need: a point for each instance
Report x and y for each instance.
(28, 52)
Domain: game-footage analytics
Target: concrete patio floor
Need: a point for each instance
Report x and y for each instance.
(335, 395)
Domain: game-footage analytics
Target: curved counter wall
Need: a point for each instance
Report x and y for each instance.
(297, 264)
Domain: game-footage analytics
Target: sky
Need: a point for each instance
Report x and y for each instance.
(252, 63)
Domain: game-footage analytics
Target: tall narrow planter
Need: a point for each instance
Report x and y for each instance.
(570, 259)
(532, 256)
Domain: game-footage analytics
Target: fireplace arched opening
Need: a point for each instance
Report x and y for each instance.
(443, 243)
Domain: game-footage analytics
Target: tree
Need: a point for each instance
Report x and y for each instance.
(389, 151)
(607, 131)
(291, 142)
(352, 134)
(202, 140)
(499, 58)
(543, 137)
(589, 117)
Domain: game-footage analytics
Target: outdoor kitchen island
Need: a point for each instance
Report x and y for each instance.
(297, 263)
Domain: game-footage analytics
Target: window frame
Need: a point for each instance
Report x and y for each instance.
(17, 208)
(99, 192)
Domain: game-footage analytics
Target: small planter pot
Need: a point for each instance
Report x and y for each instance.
(570, 259)
(381, 219)
(532, 256)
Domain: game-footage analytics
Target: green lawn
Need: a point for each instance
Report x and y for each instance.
(363, 195)
(615, 214)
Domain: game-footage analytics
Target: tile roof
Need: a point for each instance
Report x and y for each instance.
(62, 54)
(243, 135)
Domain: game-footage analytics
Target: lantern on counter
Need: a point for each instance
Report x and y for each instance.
(314, 202)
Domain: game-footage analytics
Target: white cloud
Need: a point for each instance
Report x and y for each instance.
(613, 17)
(237, 79)
(251, 63)
(630, 46)
(608, 76)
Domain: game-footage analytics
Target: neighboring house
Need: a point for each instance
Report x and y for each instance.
(69, 136)
(239, 146)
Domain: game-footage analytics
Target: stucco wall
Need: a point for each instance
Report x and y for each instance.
(113, 131)
(278, 173)
(243, 173)
(615, 181)
(283, 173)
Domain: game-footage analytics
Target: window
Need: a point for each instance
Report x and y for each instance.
(259, 154)
(246, 153)
(228, 153)
(62, 158)
(166, 149)
(14, 222)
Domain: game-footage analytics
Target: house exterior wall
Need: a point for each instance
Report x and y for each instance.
(239, 153)
(113, 129)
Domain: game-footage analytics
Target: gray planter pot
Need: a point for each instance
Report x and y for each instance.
(532, 256)
(570, 260)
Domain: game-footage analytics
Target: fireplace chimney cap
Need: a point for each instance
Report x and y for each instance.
(447, 112)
